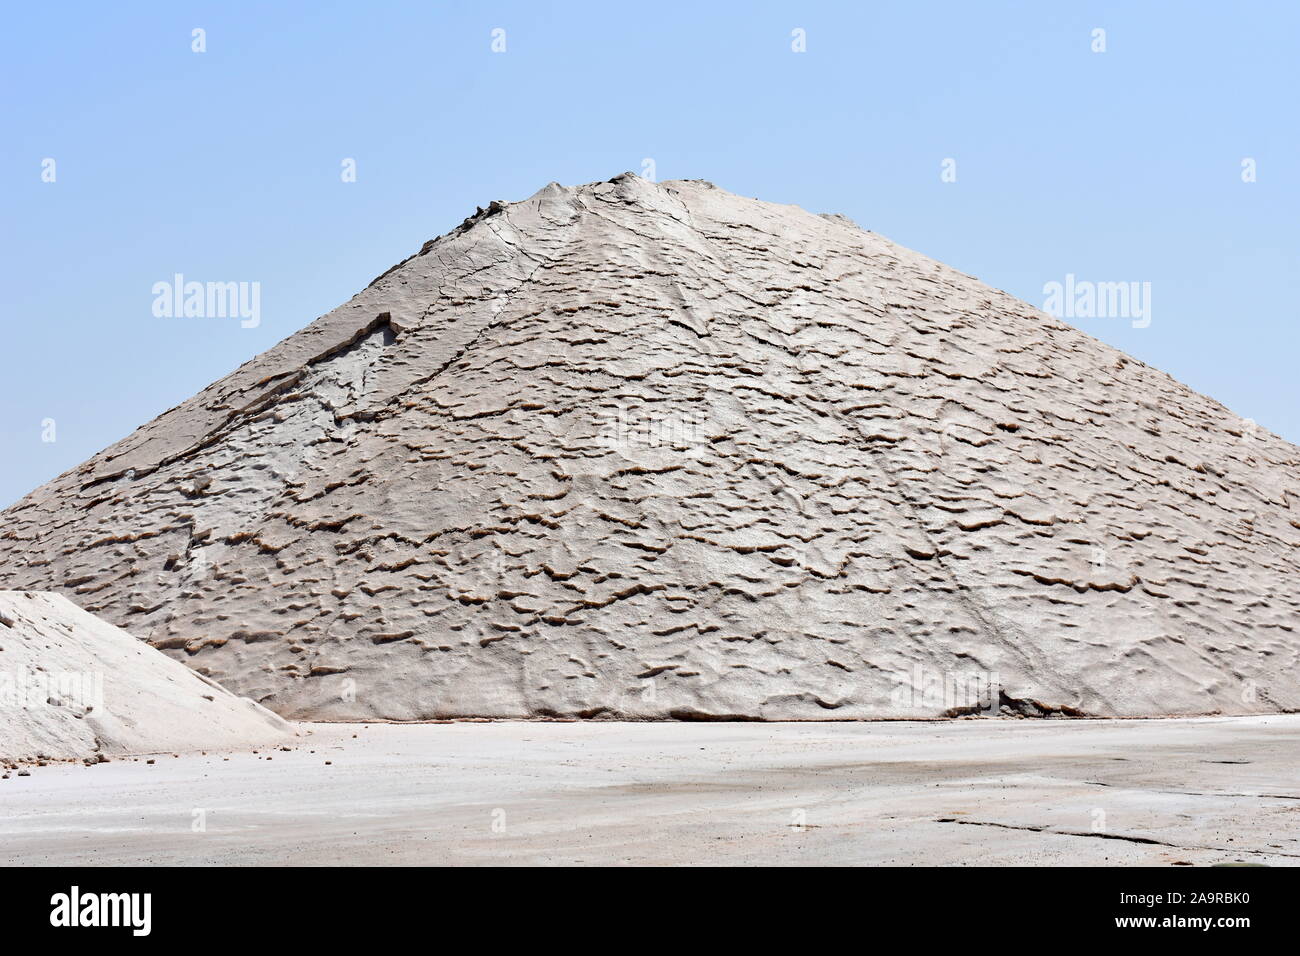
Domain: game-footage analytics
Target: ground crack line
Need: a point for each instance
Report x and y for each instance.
(1114, 836)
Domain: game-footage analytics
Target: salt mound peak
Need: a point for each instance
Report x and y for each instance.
(655, 450)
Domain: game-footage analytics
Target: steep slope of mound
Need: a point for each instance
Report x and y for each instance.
(657, 450)
(74, 687)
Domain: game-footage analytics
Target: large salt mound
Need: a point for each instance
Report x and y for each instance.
(656, 450)
(75, 687)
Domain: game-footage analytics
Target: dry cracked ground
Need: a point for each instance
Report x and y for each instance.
(656, 450)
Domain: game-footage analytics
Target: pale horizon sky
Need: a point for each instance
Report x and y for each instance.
(225, 165)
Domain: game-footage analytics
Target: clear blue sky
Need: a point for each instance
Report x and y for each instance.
(225, 165)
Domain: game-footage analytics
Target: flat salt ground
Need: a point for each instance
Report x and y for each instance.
(1208, 790)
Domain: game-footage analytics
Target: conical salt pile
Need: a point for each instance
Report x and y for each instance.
(657, 450)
